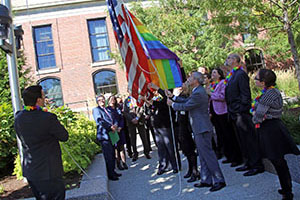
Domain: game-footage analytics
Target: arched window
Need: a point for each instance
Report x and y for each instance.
(105, 82)
(53, 92)
(254, 59)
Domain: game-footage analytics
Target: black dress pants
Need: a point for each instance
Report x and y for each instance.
(109, 157)
(142, 132)
(165, 148)
(248, 140)
(53, 189)
(284, 175)
(227, 137)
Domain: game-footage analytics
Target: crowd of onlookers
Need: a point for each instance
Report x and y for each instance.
(211, 116)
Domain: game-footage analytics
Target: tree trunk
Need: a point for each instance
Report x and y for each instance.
(288, 29)
(294, 53)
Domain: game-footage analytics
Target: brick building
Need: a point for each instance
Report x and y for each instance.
(67, 44)
(67, 47)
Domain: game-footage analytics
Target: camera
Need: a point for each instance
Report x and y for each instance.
(5, 21)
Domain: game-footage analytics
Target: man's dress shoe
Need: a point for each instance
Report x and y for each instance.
(194, 178)
(253, 172)
(117, 174)
(235, 164)
(113, 178)
(217, 186)
(201, 185)
(243, 168)
(226, 161)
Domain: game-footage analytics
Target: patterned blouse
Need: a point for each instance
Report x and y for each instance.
(269, 106)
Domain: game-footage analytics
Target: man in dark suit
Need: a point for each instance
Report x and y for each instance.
(197, 105)
(40, 133)
(238, 99)
(135, 119)
(105, 124)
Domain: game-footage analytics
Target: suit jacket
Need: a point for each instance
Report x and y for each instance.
(40, 133)
(238, 94)
(104, 122)
(132, 112)
(160, 116)
(197, 105)
(218, 99)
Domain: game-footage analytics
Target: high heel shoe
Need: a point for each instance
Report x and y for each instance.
(194, 177)
(125, 165)
(119, 166)
(188, 174)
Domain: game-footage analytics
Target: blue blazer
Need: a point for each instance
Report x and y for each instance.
(197, 105)
(104, 122)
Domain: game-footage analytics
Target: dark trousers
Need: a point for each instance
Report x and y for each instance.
(227, 138)
(188, 147)
(284, 175)
(109, 157)
(53, 189)
(142, 132)
(248, 140)
(149, 129)
(165, 148)
(210, 172)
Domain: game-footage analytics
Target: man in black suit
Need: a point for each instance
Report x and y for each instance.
(238, 99)
(40, 133)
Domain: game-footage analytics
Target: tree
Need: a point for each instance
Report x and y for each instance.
(24, 78)
(278, 19)
(184, 28)
(8, 144)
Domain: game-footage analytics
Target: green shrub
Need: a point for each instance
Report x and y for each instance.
(8, 143)
(81, 143)
(291, 120)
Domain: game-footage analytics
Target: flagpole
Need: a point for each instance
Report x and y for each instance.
(170, 114)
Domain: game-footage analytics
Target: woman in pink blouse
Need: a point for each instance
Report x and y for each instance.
(227, 142)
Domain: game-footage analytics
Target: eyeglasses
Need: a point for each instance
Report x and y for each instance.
(257, 79)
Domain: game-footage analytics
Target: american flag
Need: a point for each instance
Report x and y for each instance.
(131, 49)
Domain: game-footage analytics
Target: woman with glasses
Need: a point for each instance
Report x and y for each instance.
(274, 138)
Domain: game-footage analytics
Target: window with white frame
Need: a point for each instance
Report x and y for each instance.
(44, 48)
(105, 82)
(99, 40)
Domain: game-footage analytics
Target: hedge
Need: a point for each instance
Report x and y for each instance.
(80, 145)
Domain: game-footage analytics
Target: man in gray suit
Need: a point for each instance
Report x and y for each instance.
(197, 105)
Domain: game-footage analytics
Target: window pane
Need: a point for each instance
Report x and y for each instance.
(97, 26)
(53, 92)
(44, 47)
(46, 61)
(105, 82)
(42, 33)
(101, 54)
(99, 40)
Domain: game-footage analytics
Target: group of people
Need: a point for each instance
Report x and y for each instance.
(246, 131)
(187, 121)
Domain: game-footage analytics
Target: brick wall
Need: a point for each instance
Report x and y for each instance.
(73, 57)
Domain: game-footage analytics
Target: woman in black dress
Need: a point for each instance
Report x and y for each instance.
(274, 138)
(186, 140)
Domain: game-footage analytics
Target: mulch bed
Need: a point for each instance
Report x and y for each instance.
(17, 189)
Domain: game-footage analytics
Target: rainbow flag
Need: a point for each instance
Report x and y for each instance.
(164, 69)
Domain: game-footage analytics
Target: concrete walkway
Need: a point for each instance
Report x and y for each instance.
(140, 182)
